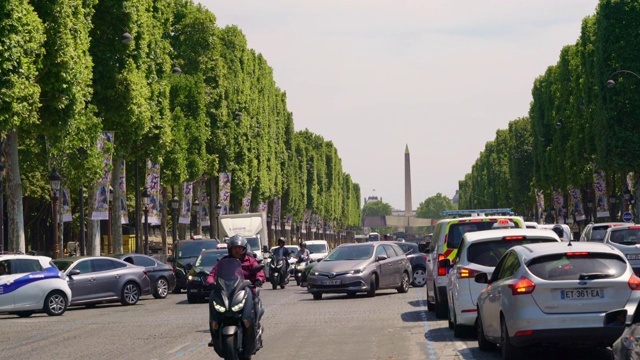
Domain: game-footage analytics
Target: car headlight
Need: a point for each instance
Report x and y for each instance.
(316, 273)
(62, 275)
(219, 308)
(239, 306)
(355, 272)
(191, 277)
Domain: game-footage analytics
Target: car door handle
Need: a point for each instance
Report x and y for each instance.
(9, 282)
(117, 276)
(92, 279)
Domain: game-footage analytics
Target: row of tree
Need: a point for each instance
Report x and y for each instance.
(584, 117)
(177, 90)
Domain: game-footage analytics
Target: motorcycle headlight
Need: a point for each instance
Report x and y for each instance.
(239, 306)
(218, 307)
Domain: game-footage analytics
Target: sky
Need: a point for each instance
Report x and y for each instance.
(373, 76)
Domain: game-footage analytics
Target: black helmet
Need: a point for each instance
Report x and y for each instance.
(558, 230)
(237, 240)
(303, 244)
(281, 241)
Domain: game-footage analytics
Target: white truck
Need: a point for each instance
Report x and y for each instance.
(252, 226)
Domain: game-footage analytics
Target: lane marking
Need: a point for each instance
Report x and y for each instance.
(177, 348)
(423, 316)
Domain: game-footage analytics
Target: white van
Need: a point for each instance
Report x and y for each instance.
(318, 249)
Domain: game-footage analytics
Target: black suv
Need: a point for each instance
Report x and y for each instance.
(185, 254)
(596, 232)
(418, 262)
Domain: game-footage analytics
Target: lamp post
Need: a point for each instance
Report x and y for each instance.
(174, 215)
(196, 219)
(55, 180)
(612, 201)
(218, 208)
(1, 202)
(589, 207)
(109, 230)
(145, 199)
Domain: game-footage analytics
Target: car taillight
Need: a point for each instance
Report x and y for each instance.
(442, 271)
(634, 282)
(579, 253)
(465, 273)
(440, 257)
(633, 227)
(513, 238)
(523, 333)
(522, 286)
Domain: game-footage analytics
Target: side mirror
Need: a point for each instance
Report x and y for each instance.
(444, 263)
(615, 318)
(171, 259)
(319, 260)
(381, 258)
(258, 269)
(482, 278)
(74, 272)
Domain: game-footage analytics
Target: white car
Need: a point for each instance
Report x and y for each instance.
(556, 294)
(480, 252)
(32, 283)
(319, 249)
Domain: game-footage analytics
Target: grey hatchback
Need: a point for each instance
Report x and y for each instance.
(161, 275)
(100, 279)
(363, 267)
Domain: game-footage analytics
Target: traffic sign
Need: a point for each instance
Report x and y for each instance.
(627, 217)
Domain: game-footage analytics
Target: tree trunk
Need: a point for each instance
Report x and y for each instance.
(182, 228)
(15, 219)
(165, 219)
(196, 209)
(116, 216)
(93, 227)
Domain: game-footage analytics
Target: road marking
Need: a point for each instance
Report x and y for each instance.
(423, 316)
(177, 348)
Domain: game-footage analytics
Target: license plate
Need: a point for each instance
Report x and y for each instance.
(582, 294)
(331, 282)
(193, 290)
(633, 256)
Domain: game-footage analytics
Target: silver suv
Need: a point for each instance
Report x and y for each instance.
(596, 232)
(626, 239)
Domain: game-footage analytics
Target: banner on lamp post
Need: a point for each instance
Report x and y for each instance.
(205, 219)
(600, 188)
(540, 204)
(185, 209)
(100, 208)
(124, 214)
(246, 202)
(66, 206)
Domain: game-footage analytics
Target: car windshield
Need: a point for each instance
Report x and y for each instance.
(629, 236)
(488, 253)
(457, 230)
(317, 248)
(194, 248)
(62, 265)
(209, 258)
(577, 266)
(254, 243)
(350, 253)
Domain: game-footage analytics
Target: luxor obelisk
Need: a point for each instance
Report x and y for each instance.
(408, 207)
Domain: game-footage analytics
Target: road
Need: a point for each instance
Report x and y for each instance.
(390, 326)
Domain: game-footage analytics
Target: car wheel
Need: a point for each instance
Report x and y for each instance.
(281, 286)
(372, 286)
(130, 294)
(450, 317)
(274, 286)
(441, 309)
(162, 288)
(24, 314)
(509, 351)
(483, 343)
(317, 296)
(55, 304)
(404, 285)
(419, 277)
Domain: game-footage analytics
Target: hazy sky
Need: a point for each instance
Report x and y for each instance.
(373, 75)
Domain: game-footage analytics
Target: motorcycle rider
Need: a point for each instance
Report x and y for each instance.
(284, 252)
(303, 254)
(237, 247)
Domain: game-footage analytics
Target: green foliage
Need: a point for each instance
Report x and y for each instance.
(433, 206)
(376, 208)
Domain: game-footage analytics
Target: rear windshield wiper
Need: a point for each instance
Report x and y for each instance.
(591, 276)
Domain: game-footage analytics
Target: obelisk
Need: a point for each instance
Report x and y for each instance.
(408, 208)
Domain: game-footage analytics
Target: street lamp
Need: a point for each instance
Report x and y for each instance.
(145, 199)
(175, 204)
(589, 206)
(218, 208)
(55, 180)
(109, 230)
(196, 205)
(611, 83)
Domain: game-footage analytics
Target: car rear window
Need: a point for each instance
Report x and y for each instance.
(488, 253)
(598, 232)
(628, 236)
(457, 231)
(577, 266)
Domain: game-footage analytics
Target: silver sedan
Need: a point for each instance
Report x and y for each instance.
(101, 279)
(365, 267)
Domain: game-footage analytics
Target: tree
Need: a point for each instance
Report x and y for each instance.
(376, 208)
(433, 207)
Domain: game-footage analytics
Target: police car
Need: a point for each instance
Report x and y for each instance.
(32, 283)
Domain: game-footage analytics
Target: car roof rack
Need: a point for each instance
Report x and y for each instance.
(477, 212)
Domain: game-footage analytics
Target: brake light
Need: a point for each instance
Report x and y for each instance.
(440, 257)
(503, 222)
(513, 238)
(634, 227)
(465, 273)
(634, 282)
(442, 271)
(523, 286)
(523, 333)
(475, 220)
(145, 272)
(579, 253)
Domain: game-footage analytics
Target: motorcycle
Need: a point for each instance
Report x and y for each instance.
(277, 270)
(228, 299)
(298, 270)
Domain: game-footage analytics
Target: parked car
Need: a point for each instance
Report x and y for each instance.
(32, 283)
(197, 288)
(99, 279)
(185, 254)
(444, 245)
(418, 262)
(626, 238)
(480, 252)
(160, 275)
(365, 267)
(596, 232)
(555, 293)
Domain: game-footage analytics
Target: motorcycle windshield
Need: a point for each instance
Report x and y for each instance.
(229, 273)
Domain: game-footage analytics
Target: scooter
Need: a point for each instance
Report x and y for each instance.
(277, 273)
(228, 299)
(298, 270)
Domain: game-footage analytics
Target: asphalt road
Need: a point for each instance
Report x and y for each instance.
(389, 326)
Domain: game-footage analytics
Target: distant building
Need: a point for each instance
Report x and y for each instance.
(456, 198)
(371, 198)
